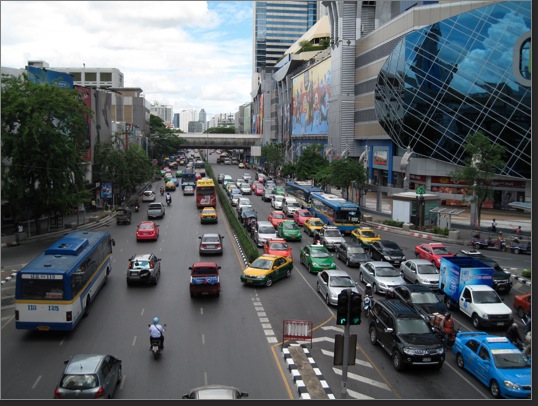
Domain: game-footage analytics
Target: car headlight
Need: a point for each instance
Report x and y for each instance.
(315, 263)
(412, 351)
(387, 258)
(260, 277)
(383, 285)
(512, 385)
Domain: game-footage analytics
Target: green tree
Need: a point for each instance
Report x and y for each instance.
(273, 154)
(220, 130)
(482, 157)
(345, 171)
(44, 133)
(310, 163)
(288, 170)
(164, 141)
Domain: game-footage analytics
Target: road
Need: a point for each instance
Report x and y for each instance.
(234, 339)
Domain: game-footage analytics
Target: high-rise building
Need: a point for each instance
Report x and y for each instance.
(202, 117)
(176, 120)
(185, 116)
(162, 111)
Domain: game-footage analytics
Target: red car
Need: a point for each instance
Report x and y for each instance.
(277, 246)
(522, 304)
(258, 189)
(276, 217)
(147, 230)
(432, 252)
(300, 216)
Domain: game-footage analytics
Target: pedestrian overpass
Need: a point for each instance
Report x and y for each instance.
(220, 141)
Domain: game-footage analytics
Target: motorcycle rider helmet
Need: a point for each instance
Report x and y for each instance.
(447, 315)
(155, 320)
(368, 285)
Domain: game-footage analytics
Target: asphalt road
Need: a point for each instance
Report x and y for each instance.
(234, 339)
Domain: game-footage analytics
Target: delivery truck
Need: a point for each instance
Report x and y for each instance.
(466, 284)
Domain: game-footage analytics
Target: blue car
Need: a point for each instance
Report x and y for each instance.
(495, 362)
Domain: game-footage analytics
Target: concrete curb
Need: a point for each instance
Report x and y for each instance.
(297, 378)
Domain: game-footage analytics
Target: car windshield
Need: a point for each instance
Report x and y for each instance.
(79, 382)
(279, 215)
(412, 326)
(317, 223)
(262, 263)
(290, 226)
(427, 269)
(267, 230)
(510, 358)
(486, 297)
(146, 227)
(211, 239)
(423, 297)
(332, 233)
(139, 265)
(368, 234)
(341, 282)
(355, 250)
(203, 270)
(305, 214)
(440, 250)
(278, 246)
(320, 254)
(387, 272)
(293, 204)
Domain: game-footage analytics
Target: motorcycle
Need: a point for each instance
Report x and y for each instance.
(169, 202)
(156, 346)
(367, 305)
(162, 191)
(137, 207)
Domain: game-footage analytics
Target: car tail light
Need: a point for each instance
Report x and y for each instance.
(219, 245)
(100, 393)
(57, 394)
(68, 316)
(202, 245)
(151, 265)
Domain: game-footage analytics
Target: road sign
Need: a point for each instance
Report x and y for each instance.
(420, 190)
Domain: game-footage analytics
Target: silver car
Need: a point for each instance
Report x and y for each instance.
(381, 275)
(89, 376)
(263, 231)
(420, 272)
(331, 237)
(221, 392)
(210, 243)
(331, 282)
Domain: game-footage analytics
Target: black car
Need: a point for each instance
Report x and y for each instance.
(386, 250)
(352, 254)
(421, 298)
(502, 280)
(404, 334)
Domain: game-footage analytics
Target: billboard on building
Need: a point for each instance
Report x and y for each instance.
(310, 100)
(40, 75)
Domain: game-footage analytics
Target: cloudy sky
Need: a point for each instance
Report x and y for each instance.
(188, 54)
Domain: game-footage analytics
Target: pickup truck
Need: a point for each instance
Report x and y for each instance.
(123, 216)
(156, 209)
(467, 285)
(205, 279)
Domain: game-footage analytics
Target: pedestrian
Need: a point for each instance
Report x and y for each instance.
(493, 225)
(18, 230)
(518, 230)
(447, 327)
(94, 205)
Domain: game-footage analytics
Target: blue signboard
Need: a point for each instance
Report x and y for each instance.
(41, 75)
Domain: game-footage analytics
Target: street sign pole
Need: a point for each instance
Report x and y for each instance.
(346, 349)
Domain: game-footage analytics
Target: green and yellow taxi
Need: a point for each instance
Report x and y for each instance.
(209, 215)
(316, 258)
(289, 230)
(364, 236)
(312, 225)
(266, 269)
(279, 191)
(170, 186)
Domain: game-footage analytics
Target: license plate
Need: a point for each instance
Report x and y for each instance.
(210, 246)
(396, 262)
(500, 324)
(134, 273)
(249, 281)
(427, 359)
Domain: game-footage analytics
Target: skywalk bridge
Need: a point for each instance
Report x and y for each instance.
(220, 141)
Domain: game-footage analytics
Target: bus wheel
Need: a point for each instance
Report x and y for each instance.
(88, 303)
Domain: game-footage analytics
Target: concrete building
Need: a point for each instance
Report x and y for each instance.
(163, 111)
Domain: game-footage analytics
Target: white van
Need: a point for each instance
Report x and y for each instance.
(290, 205)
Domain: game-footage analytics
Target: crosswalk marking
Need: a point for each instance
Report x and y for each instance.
(362, 379)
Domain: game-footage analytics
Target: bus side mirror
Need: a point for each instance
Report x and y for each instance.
(113, 242)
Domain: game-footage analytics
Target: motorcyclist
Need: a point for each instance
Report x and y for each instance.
(156, 331)
(317, 238)
(162, 190)
(368, 291)
(513, 335)
(447, 327)
(168, 198)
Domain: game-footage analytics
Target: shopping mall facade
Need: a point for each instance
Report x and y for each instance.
(401, 89)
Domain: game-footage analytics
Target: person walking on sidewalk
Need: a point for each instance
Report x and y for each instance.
(493, 226)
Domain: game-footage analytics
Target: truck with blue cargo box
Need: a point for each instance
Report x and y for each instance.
(467, 284)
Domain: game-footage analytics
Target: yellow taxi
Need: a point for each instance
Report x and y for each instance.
(209, 215)
(266, 269)
(364, 236)
(170, 186)
(312, 225)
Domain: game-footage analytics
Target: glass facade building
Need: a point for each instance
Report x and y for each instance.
(464, 74)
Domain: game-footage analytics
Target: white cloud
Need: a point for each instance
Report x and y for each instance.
(189, 54)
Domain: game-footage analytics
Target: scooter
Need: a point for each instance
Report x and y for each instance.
(162, 192)
(169, 202)
(367, 305)
(156, 346)
(137, 207)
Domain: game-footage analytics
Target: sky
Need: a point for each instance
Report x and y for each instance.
(188, 54)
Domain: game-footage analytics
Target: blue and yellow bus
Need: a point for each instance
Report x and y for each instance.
(55, 290)
(336, 211)
(302, 191)
(188, 177)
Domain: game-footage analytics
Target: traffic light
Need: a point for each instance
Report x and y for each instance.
(342, 308)
(355, 308)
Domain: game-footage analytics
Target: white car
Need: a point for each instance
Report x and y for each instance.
(333, 281)
(263, 231)
(381, 275)
(276, 202)
(246, 189)
(148, 196)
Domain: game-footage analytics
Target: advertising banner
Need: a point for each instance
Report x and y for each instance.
(106, 190)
